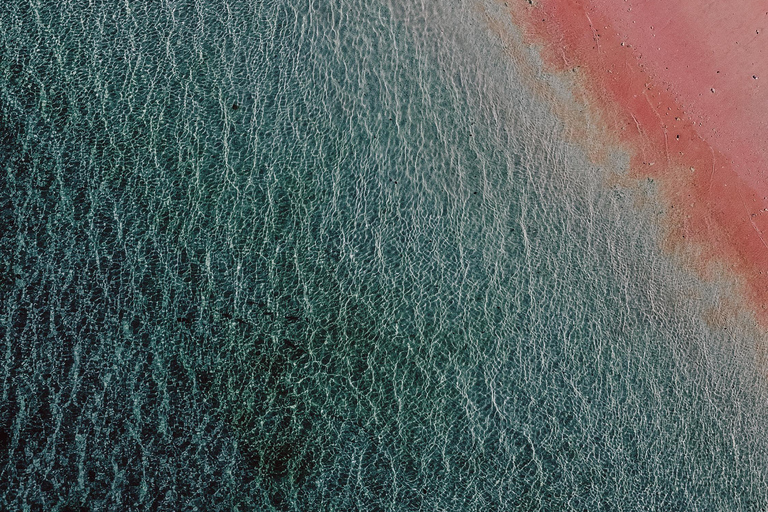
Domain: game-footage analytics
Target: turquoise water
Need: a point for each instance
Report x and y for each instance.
(335, 255)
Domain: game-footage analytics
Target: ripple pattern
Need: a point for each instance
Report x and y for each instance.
(335, 255)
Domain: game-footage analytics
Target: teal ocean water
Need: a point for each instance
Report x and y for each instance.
(336, 255)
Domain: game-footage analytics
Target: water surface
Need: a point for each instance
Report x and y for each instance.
(337, 256)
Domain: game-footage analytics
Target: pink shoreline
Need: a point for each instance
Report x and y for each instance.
(674, 83)
(695, 49)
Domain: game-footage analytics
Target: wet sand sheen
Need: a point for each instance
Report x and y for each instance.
(685, 99)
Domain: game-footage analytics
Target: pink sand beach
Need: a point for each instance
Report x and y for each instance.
(684, 86)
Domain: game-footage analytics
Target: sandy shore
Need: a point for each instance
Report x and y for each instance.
(679, 85)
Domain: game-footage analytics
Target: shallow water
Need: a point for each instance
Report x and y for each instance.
(338, 256)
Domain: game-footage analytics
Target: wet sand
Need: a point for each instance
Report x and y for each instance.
(679, 86)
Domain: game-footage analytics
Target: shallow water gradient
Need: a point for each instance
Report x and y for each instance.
(335, 255)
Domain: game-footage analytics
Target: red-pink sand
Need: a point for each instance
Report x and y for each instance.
(684, 85)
